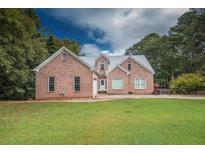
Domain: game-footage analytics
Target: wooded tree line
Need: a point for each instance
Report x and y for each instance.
(181, 51)
(22, 47)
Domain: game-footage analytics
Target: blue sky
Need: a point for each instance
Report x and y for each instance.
(107, 30)
(66, 30)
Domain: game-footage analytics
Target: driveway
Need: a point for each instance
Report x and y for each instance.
(103, 96)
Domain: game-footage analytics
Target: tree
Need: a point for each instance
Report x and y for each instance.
(54, 44)
(161, 53)
(32, 14)
(181, 51)
(147, 44)
(18, 53)
(189, 34)
(188, 83)
(22, 48)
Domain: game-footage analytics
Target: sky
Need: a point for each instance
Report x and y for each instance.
(109, 31)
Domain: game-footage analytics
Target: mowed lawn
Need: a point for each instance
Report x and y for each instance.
(139, 121)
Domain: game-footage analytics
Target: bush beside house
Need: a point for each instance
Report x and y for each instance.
(188, 83)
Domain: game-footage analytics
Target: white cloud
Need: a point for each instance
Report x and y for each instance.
(90, 50)
(93, 50)
(105, 51)
(121, 27)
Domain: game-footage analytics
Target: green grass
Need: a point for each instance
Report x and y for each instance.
(139, 121)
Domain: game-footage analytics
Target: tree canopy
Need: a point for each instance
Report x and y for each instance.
(181, 51)
(22, 48)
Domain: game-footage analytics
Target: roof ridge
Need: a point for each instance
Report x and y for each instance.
(114, 56)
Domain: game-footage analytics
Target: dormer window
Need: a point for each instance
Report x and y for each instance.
(129, 66)
(102, 66)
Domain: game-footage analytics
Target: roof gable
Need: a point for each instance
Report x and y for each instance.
(114, 61)
(104, 56)
(117, 60)
(142, 64)
(147, 66)
(121, 68)
(45, 62)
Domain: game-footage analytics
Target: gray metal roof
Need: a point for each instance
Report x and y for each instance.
(90, 60)
(117, 60)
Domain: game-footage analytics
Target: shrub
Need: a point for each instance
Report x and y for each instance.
(188, 83)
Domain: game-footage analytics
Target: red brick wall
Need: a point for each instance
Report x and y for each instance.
(137, 71)
(64, 73)
(117, 73)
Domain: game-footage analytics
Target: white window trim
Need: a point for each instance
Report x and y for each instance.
(145, 85)
(54, 84)
(122, 84)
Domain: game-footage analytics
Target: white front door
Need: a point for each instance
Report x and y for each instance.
(102, 84)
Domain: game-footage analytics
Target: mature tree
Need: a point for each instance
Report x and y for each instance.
(32, 14)
(181, 51)
(18, 53)
(189, 34)
(22, 48)
(54, 44)
(161, 53)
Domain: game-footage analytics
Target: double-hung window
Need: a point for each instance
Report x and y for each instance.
(140, 84)
(77, 83)
(51, 84)
(117, 84)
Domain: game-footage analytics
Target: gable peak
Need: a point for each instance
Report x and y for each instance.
(103, 55)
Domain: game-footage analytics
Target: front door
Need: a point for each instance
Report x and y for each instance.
(102, 84)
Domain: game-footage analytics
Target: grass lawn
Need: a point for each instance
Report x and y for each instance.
(139, 121)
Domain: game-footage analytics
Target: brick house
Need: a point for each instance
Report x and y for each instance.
(66, 75)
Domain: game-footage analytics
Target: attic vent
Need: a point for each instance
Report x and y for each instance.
(64, 57)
